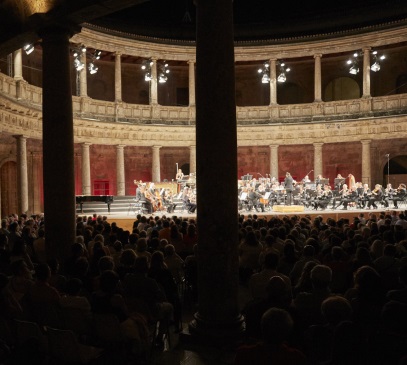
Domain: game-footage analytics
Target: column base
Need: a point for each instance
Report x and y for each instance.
(212, 333)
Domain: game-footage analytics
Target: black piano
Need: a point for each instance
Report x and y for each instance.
(80, 199)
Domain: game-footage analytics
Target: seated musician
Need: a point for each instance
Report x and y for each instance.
(351, 197)
(141, 197)
(376, 196)
(168, 201)
(343, 194)
(364, 196)
(400, 195)
(253, 198)
(324, 198)
(388, 195)
(316, 195)
(186, 199)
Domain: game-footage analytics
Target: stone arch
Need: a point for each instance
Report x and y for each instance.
(342, 88)
(396, 169)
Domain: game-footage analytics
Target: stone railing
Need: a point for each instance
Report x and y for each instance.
(30, 96)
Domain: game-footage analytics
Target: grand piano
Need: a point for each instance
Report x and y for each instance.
(80, 199)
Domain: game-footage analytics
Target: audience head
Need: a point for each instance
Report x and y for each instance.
(276, 325)
(321, 276)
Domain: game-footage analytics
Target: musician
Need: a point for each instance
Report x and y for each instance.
(339, 181)
(352, 181)
(168, 201)
(318, 180)
(179, 175)
(186, 199)
(289, 184)
(400, 194)
(253, 198)
(388, 195)
(306, 179)
(141, 197)
(343, 194)
(376, 196)
(324, 198)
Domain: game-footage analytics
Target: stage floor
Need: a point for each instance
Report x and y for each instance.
(125, 219)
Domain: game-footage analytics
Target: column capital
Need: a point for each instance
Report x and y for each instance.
(318, 144)
(118, 54)
(191, 61)
(367, 49)
(192, 146)
(318, 55)
(274, 145)
(20, 136)
(86, 144)
(156, 147)
(118, 146)
(366, 141)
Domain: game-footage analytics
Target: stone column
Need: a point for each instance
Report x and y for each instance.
(274, 160)
(192, 159)
(18, 73)
(117, 77)
(156, 173)
(36, 183)
(273, 82)
(83, 76)
(58, 142)
(191, 80)
(153, 84)
(318, 167)
(366, 161)
(86, 183)
(366, 72)
(121, 182)
(18, 65)
(22, 173)
(218, 318)
(317, 78)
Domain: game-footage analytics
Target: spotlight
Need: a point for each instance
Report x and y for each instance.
(376, 61)
(282, 77)
(162, 79)
(92, 68)
(265, 78)
(375, 67)
(83, 48)
(78, 64)
(354, 70)
(97, 55)
(265, 71)
(147, 76)
(28, 48)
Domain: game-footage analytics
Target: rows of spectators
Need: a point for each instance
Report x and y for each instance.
(325, 291)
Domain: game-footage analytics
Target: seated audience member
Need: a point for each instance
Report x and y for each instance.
(308, 305)
(56, 280)
(304, 283)
(174, 263)
(276, 325)
(277, 295)
(308, 255)
(73, 299)
(259, 281)
(400, 295)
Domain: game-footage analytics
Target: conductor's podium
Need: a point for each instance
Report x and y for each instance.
(288, 208)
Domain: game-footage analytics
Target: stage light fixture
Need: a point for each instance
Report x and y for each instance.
(28, 48)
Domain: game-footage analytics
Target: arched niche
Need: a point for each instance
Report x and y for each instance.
(342, 88)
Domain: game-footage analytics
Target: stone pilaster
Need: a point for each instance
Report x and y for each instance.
(121, 182)
(191, 82)
(317, 78)
(366, 161)
(117, 77)
(218, 318)
(192, 159)
(58, 141)
(273, 82)
(36, 182)
(156, 174)
(86, 182)
(22, 173)
(318, 166)
(274, 160)
(366, 72)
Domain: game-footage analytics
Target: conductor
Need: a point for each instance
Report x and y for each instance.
(289, 185)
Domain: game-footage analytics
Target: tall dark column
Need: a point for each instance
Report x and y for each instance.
(218, 318)
(58, 143)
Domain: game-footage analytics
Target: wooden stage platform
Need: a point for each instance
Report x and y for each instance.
(126, 221)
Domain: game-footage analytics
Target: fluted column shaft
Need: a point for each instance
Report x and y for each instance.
(22, 173)
(121, 182)
(156, 174)
(86, 182)
(366, 161)
(318, 166)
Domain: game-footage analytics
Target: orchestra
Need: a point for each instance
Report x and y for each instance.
(260, 194)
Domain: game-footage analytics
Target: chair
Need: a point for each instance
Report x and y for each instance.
(64, 347)
(26, 331)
